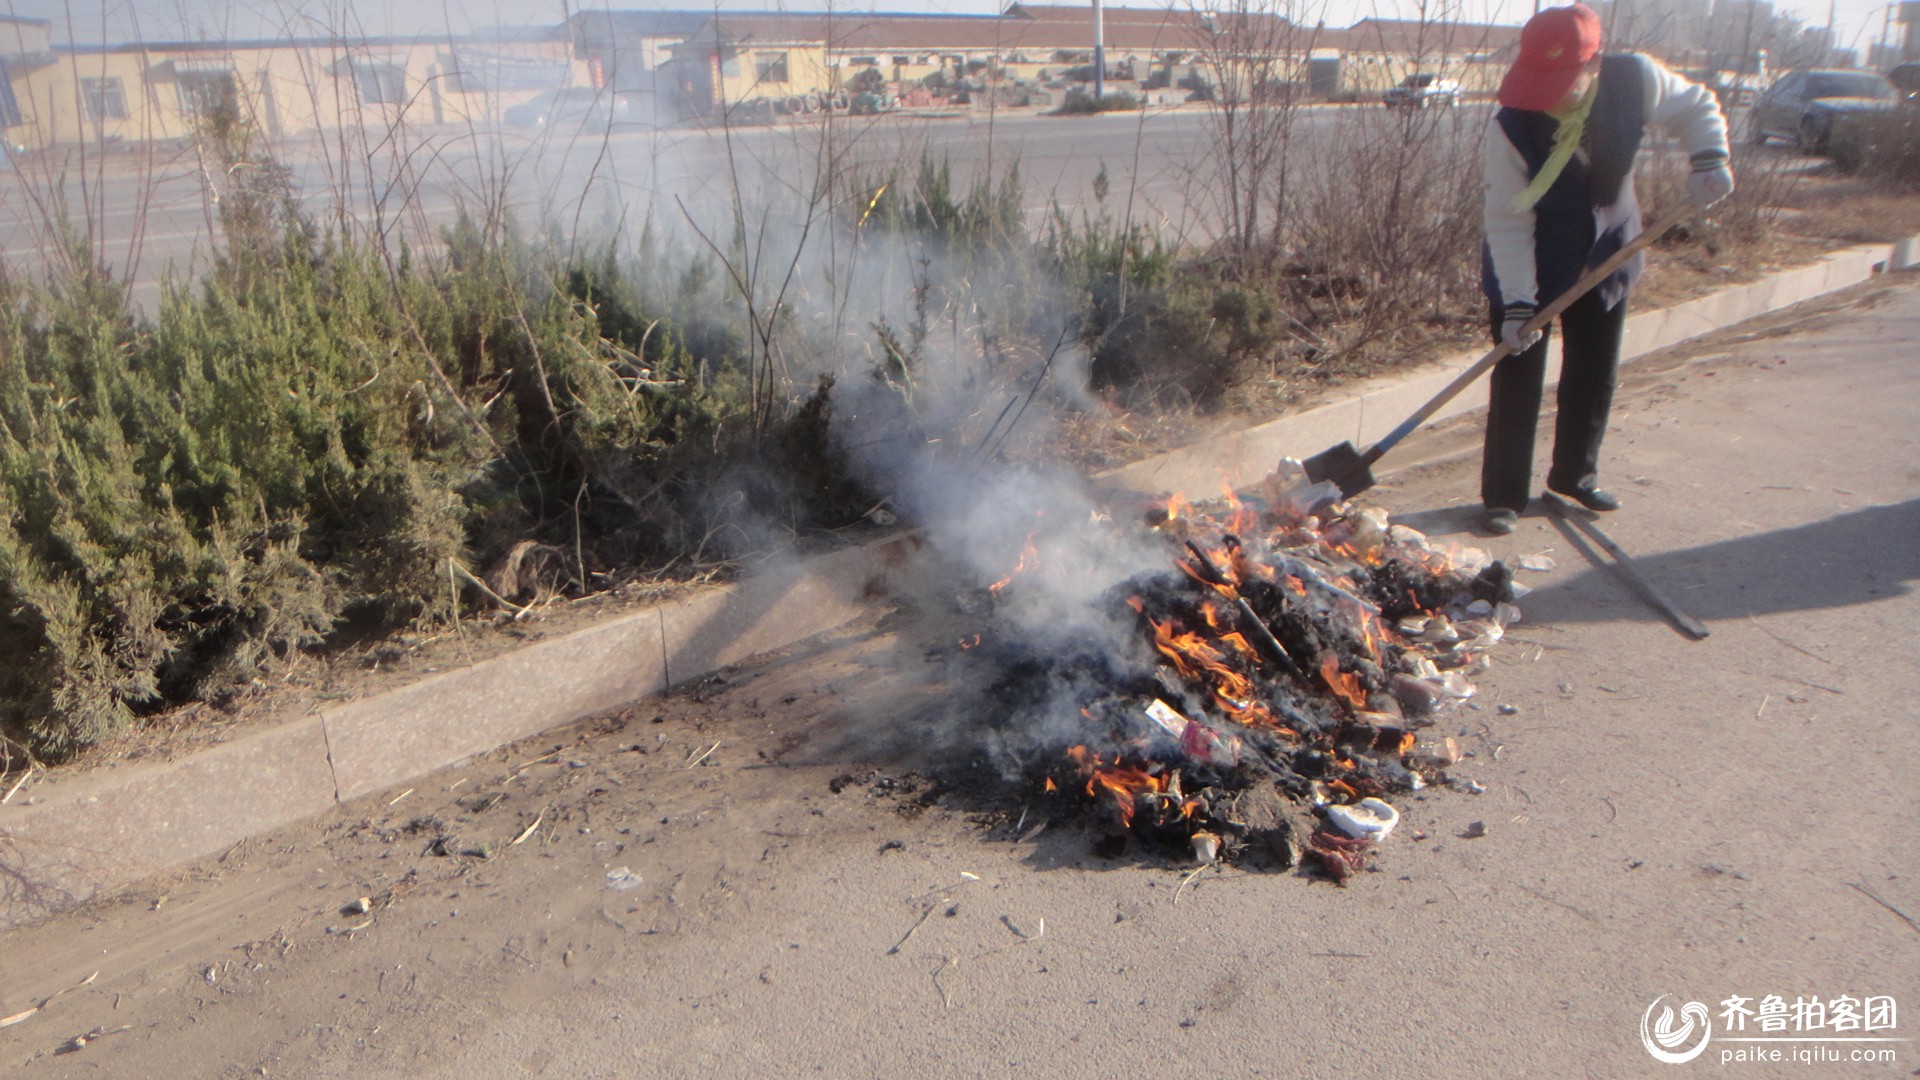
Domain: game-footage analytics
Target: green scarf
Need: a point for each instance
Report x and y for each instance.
(1566, 139)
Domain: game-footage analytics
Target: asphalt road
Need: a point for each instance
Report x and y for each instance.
(142, 212)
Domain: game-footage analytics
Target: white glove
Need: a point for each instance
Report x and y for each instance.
(1512, 318)
(1709, 182)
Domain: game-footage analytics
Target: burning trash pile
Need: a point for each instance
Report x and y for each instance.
(1286, 658)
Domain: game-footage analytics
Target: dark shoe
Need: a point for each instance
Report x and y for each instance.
(1590, 497)
(1500, 521)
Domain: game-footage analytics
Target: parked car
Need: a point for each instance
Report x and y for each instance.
(574, 108)
(1421, 90)
(1906, 79)
(1808, 106)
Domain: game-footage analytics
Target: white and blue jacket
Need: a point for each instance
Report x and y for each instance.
(1590, 212)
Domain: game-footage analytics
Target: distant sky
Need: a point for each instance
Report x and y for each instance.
(1858, 22)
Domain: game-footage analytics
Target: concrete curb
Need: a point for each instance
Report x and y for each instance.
(109, 829)
(1373, 410)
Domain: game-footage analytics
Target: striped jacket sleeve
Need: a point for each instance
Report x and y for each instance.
(1687, 111)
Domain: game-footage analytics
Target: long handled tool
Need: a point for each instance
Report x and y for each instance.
(1352, 471)
(1577, 518)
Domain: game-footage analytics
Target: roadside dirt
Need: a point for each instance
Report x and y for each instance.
(760, 876)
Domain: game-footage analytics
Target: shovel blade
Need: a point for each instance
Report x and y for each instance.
(1344, 466)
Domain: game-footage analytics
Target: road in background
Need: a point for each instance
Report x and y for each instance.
(145, 211)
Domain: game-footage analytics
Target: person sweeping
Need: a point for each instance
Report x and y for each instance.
(1560, 155)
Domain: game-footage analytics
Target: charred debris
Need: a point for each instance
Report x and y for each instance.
(1264, 698)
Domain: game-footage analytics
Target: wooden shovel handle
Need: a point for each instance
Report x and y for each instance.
(1547, 314)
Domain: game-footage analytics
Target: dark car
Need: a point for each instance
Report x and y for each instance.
(1906, 79)
(1807, 106)
(574, 108)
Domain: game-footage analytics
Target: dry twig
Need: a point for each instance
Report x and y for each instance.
(528, 831)
(79, 1042)
(1191, 874)
(18, 784)
(946, 997)
(9, 1021)
(925, 914)
(1869, 894)
(1788, 644)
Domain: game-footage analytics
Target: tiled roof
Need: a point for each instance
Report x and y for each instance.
(1045, 28)
(604, 25)
(934, 32)
(1078, 12)
(1412, 37)
(315, 44)
(1171, 27)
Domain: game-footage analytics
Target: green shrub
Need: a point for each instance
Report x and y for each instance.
(348, 442)
(1079, 102)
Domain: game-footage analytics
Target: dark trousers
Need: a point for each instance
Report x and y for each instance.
(1591, 355)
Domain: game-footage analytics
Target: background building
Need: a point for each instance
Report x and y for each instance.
(665, 67)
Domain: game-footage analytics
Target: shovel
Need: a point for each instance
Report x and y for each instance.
(1352, 471)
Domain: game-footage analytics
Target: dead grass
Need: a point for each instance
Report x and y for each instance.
(1820, 213)
(1849, 211)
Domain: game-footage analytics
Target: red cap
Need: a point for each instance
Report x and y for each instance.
(1555, 46)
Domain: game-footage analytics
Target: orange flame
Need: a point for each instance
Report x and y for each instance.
(1237, 642)
(1344, 684)
(1196, 659)
(1369, 624)
(1242, 521)
(1224, 562)
(1210, 611)
(1123, 784)
(1245, 569)
(1029, 558)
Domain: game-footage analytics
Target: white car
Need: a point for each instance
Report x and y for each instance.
(1421, 90)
